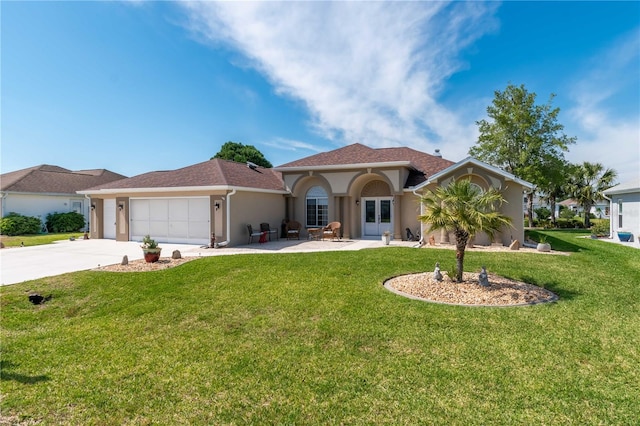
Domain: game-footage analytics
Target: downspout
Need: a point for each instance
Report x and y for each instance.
(421, 241)
(89, 216)
(228, 203)
(4, 195)
(610, 215)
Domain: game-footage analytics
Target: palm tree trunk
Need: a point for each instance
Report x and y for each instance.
(587, 218)
(462, 238)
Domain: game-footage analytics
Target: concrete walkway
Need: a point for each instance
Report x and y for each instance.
(30, 263)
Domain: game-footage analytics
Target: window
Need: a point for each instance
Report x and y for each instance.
(619, 213)
(317, 207)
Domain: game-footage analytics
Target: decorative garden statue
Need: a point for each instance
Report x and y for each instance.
(483, 278)
(437, 275)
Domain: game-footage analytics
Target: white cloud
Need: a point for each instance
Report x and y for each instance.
(367, 72)
(292, 145)
(604, 135)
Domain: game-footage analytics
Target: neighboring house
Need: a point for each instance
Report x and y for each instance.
(600, 209)
(625, 208)
(368, 190)
(40, 190)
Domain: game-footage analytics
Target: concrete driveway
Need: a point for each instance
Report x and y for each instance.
(30, 263)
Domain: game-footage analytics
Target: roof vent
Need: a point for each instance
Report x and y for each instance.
(437, 154)
(251, 165)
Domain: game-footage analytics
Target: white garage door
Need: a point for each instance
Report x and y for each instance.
(170, 220)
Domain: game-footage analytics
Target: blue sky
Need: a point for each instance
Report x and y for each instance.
(141, 86)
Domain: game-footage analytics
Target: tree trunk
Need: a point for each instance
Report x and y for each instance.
(587, 219)
(461, 244)
(552, 203)
(530, 208)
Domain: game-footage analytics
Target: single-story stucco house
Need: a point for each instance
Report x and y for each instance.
(625, 208)
(369, 191)
(40, 190)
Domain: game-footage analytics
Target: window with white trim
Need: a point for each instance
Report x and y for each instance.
(619, 213)
(317, 204)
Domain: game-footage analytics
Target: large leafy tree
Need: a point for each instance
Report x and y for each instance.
(465, 210)
(522, 137)
(236, 151)
(587, 183)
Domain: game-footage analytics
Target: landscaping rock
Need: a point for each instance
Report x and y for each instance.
(125, 260)
(432, 241)
(176, 254)
(515, 245)
(483, 278)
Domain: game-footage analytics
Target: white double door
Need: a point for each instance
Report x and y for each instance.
(377, 216)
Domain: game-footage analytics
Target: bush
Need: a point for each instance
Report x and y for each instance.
(65, 222)
(566, 213)
(569, 223)
(17, 224)
(542, 213)
(600, 228)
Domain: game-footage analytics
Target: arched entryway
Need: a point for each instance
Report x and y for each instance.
(377, 209)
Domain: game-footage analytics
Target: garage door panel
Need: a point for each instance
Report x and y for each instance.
(199, 210)
(179, 210)
(179, 229)
(158, 229)
(158, 210)
(139, 210)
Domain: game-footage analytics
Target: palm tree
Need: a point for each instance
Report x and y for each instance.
(587, 183)
(463, 208)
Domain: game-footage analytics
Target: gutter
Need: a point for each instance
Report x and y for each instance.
(228, 203)
(610, 215)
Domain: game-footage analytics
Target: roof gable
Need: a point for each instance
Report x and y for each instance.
(470, 161)
(420, 164)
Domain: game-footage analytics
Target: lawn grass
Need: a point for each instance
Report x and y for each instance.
(37, 239)
(314, 338)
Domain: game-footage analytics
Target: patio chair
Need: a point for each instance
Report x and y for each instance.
(264, 227)
(293, 230)
(332, 230)
(253, 233)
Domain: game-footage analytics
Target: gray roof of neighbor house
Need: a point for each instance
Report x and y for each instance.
(213, 173)
(421, 165)
(625, 187)
(54, 180)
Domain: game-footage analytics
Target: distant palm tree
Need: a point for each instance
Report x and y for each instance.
(464, 209)
(587, 183)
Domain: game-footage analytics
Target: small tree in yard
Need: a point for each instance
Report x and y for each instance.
(465, 210)
(587, 184)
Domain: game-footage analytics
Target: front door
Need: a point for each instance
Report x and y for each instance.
(377, 216)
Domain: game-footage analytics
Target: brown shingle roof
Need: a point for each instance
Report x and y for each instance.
(214, 172)
(423, 164)
(53, 179)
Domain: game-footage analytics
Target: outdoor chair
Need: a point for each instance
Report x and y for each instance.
(293, 230)
(253, 233)
(332, 230)
(264, 227)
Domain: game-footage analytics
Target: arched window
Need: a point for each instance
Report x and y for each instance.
(477, 187)
(317, 207)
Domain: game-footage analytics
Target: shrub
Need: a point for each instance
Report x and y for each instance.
(17, 224)
(542, 213)
(65, 222)
(564, 223)
(566, 213)
(600, 228)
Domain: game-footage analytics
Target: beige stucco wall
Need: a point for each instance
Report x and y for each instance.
(254, 208)
(511, 191)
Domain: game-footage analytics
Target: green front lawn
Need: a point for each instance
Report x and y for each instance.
(314, 338)
(37, 239)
